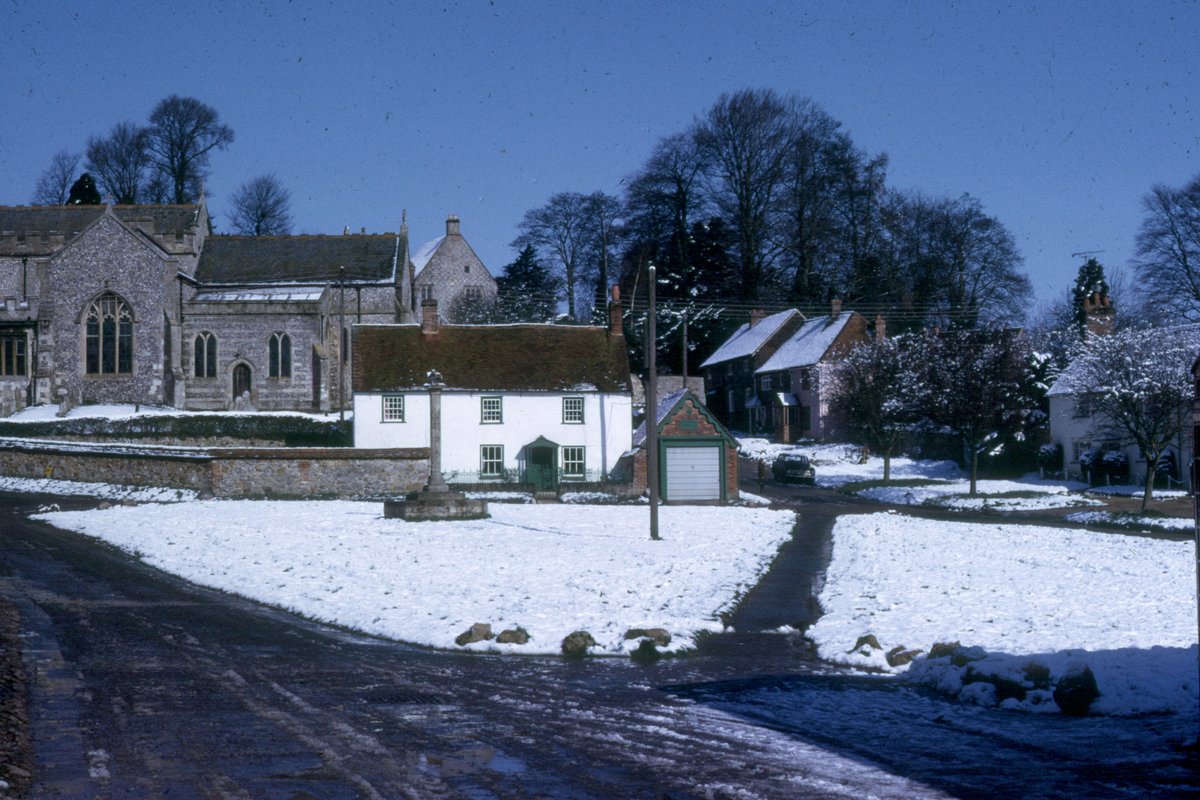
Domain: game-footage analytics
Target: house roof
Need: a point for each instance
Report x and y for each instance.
(298, 259)
(22, 228)
(425, 252)
(747, 339)
(571, 358)
(666, 407)
(808, 345)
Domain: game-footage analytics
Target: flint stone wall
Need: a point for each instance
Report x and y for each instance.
(224, 472)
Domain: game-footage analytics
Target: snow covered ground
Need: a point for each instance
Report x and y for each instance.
(118, 411)
(838, 464)
(1123, 606)
(102, 491)
(990, 495)
(550, 569)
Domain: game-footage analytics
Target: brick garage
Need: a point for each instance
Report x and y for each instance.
(697, 456)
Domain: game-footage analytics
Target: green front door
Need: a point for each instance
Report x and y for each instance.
(541, 465)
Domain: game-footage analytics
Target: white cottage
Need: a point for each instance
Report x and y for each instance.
(541, 404)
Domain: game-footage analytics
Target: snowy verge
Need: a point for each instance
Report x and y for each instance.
(991, 495)
(103, 491)
(838, 464)
(1123, 606)
(549, 569)
(1133, 521)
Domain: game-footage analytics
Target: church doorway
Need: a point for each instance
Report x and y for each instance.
(241, 381)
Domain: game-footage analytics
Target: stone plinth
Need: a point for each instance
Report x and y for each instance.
(425, 506)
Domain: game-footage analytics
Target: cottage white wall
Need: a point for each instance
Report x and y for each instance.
(606, 432)
(1068, 427)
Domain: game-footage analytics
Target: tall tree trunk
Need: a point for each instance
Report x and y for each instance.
(974, 471)
(1149, 489)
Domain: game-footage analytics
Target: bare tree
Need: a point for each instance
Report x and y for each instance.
(744, 138)
(261, 207)
(1168, 248)
(666, 193)
(183, 132)
(54, 184)
(119, 161)
(560, 232)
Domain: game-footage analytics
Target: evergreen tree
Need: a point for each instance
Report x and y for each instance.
(529, 292)
(1089, 281)
(84, 192)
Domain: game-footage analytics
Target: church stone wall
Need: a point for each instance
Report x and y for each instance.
(109, 258)
(449, 273)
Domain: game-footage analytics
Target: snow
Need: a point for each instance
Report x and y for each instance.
(954, 494)
(1123, 606)
(1132, 520)
(425, 252)
(807, 345)
(103, 491)
(838, 464)
(121, 411)
(551, 569)
(747, 339)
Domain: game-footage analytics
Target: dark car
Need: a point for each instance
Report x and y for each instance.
(794, 468)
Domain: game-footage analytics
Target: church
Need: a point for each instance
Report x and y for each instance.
(145, 305)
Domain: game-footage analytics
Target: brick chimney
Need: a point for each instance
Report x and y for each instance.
(757, 316)
(1100, 314)
(835, 306)
(616, 325)
(880, 328)
(429, 316)
(452, 225)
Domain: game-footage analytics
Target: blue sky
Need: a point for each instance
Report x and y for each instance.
(1059, 117)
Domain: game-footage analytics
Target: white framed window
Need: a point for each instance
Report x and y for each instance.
(491, 410)
(572, 410)
(766, 383)
(491, 461)
(393, 408)
(573, 463)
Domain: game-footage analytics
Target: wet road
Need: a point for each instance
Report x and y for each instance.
(145, 686)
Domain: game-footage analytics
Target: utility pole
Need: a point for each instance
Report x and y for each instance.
(685, 349)
(652, 409)
(341, 367)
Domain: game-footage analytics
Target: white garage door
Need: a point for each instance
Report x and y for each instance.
(693, 473)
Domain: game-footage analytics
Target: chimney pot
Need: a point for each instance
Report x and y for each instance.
(452, 225)
(880, 328)
(757, 316)
(835, 306)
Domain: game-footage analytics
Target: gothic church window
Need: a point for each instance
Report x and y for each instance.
(109, 336)
(279, 356)
(205, 359)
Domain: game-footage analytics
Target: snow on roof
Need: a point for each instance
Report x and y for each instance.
(747, 339)
(664, 408)
(807, 345)
(425, 252)
(261, 295)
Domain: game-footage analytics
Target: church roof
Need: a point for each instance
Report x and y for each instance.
(297, 259)
(43, 230)
(492, 358)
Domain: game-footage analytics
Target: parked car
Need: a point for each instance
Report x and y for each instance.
(794, 468)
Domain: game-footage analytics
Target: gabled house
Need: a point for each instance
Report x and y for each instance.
(448, 271)
(795, 384)
(537, 404)
(729, 372)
